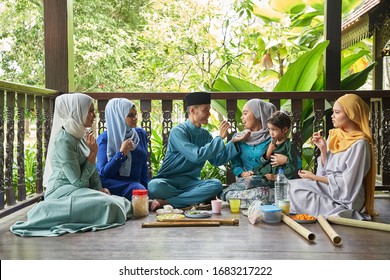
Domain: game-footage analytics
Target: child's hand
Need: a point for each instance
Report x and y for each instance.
(246, 174)
(270, 177)
(278, 159)
(271, 148)
(272, 145)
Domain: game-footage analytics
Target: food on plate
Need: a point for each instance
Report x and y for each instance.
(303, 217)
(162, 217)
(197, 214)
(168, 209)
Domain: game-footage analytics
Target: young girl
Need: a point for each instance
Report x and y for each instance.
(345, 181)
(75, 200)
(122, 154)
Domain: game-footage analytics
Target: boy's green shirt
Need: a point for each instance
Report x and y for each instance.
(291, 167)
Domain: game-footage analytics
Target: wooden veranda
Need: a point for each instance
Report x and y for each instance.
(244, 242)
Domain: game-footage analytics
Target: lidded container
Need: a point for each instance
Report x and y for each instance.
(270, 213)
(140, 203)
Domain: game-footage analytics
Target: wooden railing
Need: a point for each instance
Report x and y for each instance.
(17, 104)
(16, 99)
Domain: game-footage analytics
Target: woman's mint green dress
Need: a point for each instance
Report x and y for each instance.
(73, 202)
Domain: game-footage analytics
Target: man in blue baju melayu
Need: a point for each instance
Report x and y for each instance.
(178, 181)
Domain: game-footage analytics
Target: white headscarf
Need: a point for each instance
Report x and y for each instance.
(262, 111)
(70, 112)
(116, 112)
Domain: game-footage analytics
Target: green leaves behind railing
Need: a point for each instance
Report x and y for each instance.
(356, 80)
(302, 74)
(235, 84)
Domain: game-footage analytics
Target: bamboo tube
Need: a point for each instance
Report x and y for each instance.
(222, 222)
(334, 237)
(358, 223)
(180, 224)
(298, 228)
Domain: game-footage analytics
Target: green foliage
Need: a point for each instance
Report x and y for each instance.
(357, 80)
(164, 45)
(308, 158)
(213, 172)
(30, 170)
(157, 154)
(22, 42)
(235, 84)
(104, 47)
(302, 74)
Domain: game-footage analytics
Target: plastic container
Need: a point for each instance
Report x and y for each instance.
(270, 213)
(140, 203)
(285, 206)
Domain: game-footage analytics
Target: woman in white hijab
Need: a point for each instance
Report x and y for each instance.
(74, 198)
(255, 114)
(122, 157)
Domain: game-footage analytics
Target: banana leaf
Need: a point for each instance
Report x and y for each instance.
(223, 86)
(304, 20)
(242, 85)
(357, 80)
(348, 61)
(302, 74)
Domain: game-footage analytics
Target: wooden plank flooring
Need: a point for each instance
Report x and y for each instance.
(250, 242)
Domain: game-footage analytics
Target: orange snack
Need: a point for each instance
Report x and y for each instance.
(303, 217)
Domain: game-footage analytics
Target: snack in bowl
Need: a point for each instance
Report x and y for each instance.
(303, 218)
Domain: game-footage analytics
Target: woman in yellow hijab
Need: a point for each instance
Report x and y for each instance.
(345, 180)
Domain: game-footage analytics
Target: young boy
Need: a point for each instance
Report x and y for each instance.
(279, 126)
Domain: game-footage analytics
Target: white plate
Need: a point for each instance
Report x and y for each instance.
(197, 214)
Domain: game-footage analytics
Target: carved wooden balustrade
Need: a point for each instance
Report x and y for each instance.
(18, 103)
(16, 100)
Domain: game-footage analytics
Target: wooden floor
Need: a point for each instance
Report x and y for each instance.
(246, 241)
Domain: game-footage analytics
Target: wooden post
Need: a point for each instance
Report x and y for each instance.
(58, 23)
(377, 72)
(332, 31)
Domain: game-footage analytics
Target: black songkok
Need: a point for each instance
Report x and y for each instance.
(197, 98)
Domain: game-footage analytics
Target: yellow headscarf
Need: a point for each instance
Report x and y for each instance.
(357, 111)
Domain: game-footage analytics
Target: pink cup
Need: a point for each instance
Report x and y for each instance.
(216, 206)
